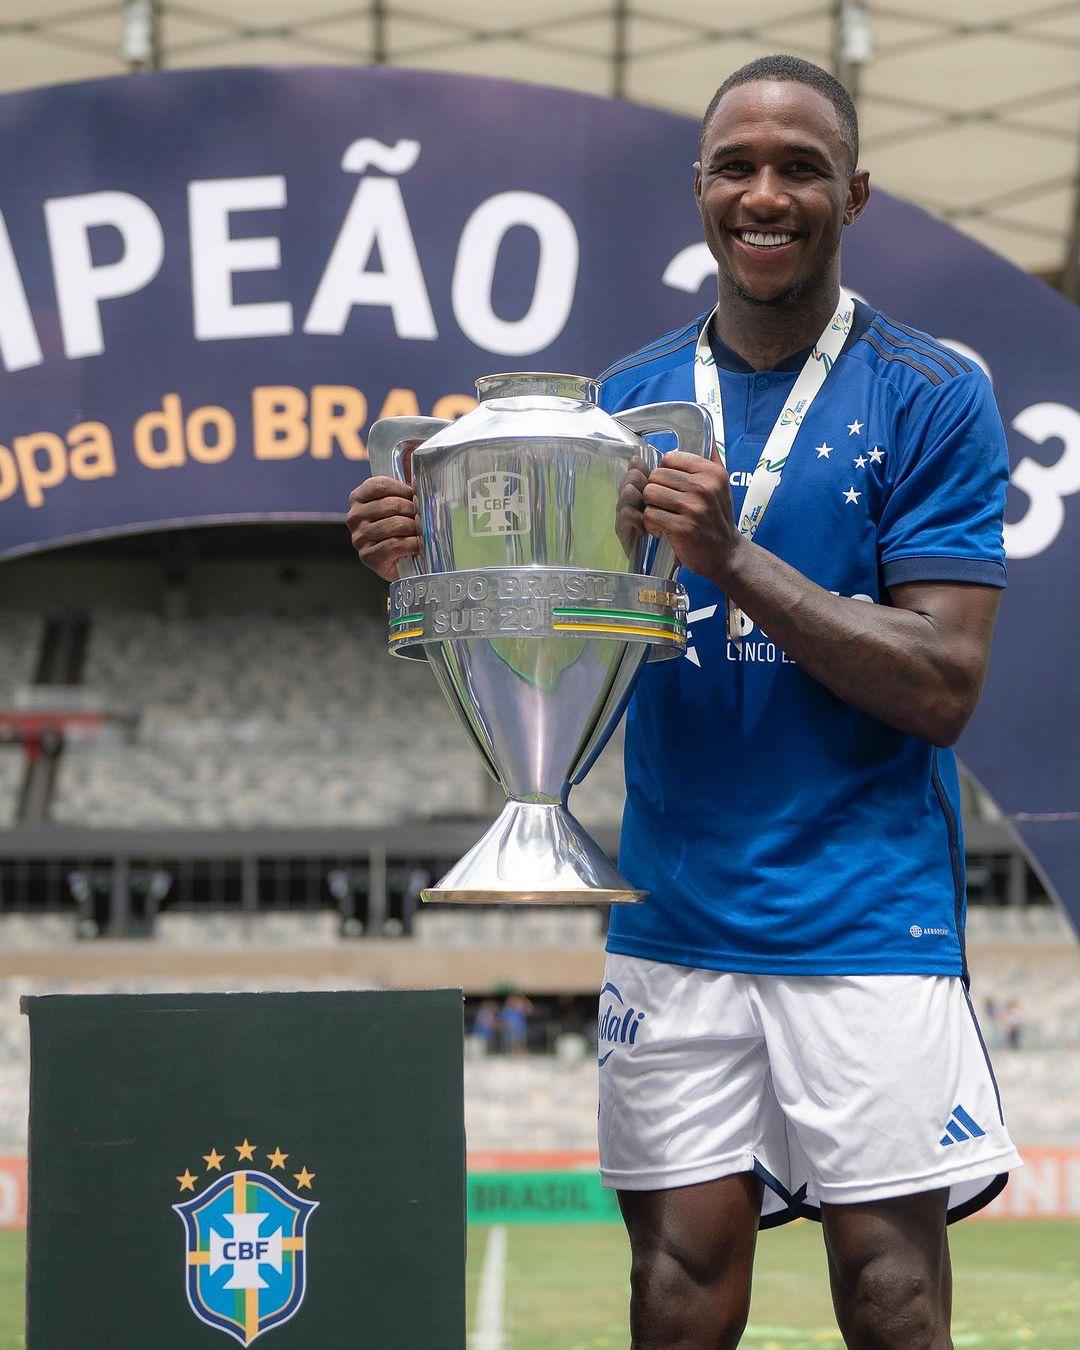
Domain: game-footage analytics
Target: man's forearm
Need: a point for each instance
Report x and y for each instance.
(892, 663)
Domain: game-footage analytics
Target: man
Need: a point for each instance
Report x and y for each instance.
(807, 1044)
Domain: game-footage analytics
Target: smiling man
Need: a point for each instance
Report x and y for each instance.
(807, 1045)
(802, 1039)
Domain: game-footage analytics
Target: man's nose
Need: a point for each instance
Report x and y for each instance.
(766, 193)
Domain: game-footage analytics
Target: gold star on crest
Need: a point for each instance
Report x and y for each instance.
(246, 1151)
(304, 1178)
(187, 1181)
(213, 1160)
(277, 1159)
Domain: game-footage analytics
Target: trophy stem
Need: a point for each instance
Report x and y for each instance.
(534, 854)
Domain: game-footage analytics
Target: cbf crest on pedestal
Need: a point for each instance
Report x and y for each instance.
(143, 1237)
(245, 1250)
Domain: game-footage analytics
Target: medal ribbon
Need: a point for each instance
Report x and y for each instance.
(770, 465)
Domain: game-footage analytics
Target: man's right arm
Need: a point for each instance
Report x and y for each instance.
(384, 524)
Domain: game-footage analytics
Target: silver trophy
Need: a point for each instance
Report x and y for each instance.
(535, 606)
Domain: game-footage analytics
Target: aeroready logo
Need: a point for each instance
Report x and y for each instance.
(917, 932)
(618, 1025)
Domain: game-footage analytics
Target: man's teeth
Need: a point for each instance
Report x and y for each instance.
(764, 240)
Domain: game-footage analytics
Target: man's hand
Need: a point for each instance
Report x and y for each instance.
(688, 499)
(383, 524)
(630, 510)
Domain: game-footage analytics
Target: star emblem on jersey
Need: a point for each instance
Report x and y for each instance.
(851, 496)
(693, 617)
(860, 463)
(854, 428)
(876, 455)
(823, 450)
(245, 1243)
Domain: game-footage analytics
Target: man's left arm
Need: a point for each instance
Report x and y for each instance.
(919, 661)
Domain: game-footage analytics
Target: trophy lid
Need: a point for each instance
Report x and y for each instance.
(521, 384)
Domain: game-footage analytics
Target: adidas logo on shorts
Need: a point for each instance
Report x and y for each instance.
(960, 1128)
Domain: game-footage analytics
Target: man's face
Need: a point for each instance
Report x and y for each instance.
(775, 186)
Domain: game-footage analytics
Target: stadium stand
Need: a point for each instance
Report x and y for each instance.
(185, 930)
(257, 702)
(154, 785)
(255, 719)
(506, 927)
(20, 640)
(35, 932)
(261, 720)
(12, 769)
(543, 1104)
(539, 1102)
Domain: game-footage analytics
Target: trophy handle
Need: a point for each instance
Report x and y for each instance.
(391, 442)
(692, 428)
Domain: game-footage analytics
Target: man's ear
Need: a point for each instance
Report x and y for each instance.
(857, 196)
(697, 181)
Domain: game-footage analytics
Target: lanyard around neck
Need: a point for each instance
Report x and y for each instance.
(770, 465)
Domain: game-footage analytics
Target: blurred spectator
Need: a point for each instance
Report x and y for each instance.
(514, 1022)
(992, 1019)
(1013, 1024)
(419, 880)
(485, 1025)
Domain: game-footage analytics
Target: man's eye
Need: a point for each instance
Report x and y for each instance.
(802, 166)
(733, 166)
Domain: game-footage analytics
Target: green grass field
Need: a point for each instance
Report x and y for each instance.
(1017, 1284)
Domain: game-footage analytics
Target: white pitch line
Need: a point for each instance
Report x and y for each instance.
(488, 1333)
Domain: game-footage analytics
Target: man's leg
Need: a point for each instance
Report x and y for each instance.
(692, 1253)
(886, 1087)
(890, 1272)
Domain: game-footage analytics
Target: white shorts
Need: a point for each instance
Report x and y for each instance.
(836, 1088)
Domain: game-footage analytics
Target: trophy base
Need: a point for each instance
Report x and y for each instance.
(534, 854)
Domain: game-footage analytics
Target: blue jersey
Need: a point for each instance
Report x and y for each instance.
(777, 828)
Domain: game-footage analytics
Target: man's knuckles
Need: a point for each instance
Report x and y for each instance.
(393, 527)
(388, 506)
(372, 489)
(678, 500)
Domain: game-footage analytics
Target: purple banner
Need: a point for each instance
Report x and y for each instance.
(212, 282)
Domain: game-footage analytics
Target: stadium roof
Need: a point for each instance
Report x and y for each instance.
(970, 108)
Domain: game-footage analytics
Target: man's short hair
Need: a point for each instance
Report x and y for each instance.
(792, 70)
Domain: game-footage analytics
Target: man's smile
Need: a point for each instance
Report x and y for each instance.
(764, 240)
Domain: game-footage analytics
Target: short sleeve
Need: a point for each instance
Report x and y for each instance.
(609, 400)
(942, 518)
(617, 394)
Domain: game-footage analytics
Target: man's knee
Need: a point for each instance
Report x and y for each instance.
(676, 1302)
(887, 1305)
(888, 1265)
(692, 1253)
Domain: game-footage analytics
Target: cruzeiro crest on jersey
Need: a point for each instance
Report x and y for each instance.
(245, 1243)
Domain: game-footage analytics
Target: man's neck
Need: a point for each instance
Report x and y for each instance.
(765, 335)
